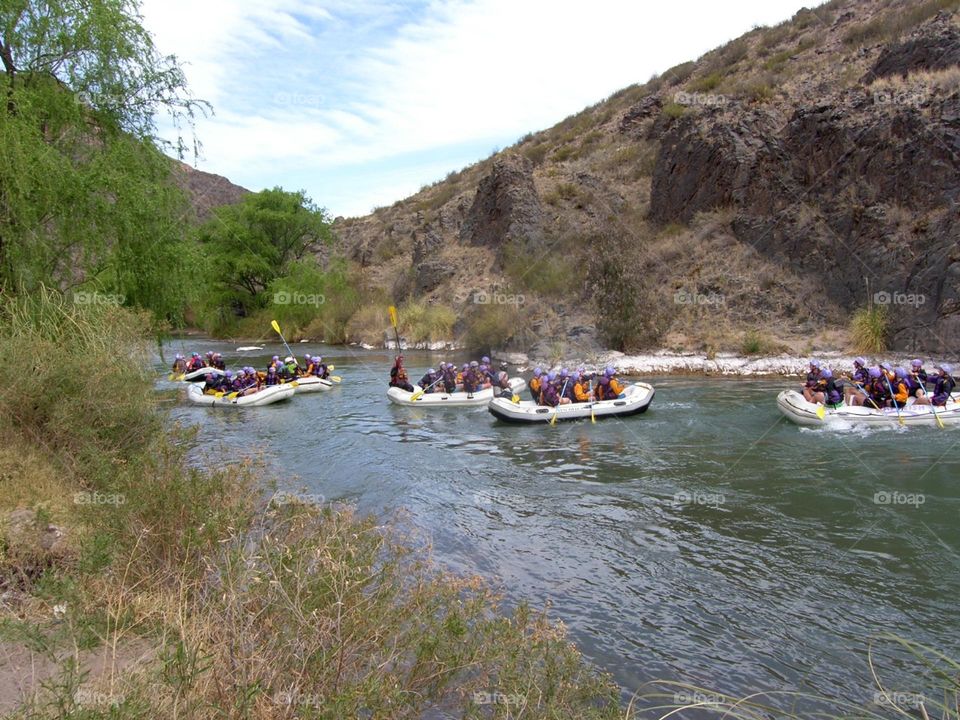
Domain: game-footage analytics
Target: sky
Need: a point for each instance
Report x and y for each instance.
(362, 102)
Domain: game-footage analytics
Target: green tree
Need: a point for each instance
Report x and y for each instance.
(86, 196)
(250, 245)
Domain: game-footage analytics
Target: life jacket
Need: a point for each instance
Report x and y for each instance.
(901, 391)
(179, 366)
(832, 392)
(606, 392)
(272, 379)
(861, 375)
(450, 379)
(549, 395)
(427, 380)
(812, 379)
(219, 364)
(321, 371)
(470, 380)
(581, 392)
(943, 389)
(535, 384)
(615, 386)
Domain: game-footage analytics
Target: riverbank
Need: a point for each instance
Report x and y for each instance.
(135, 584)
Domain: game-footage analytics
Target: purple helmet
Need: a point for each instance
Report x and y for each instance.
(485, 359)
(241, 372)
(860, 361)
(538, 372)
(228, 374)
(465, 367)
(431, 371)
(272, 369)
(564, 372)
(916, 363)
(827, 373)
(887, 366)
(609, 371)
(275, 358)
(946, 368)
(474, 363)
(318, 358)
(552, 375)
(815, 364)
(874, 372)
(900, 372)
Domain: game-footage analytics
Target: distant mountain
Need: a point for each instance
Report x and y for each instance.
(206, 191)
(750, 200)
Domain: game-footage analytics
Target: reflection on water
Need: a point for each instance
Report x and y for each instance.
(707, 541)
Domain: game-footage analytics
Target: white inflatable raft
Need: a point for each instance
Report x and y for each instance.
(795, 407)
(311, 383)
(457, 399)
(267, 396)
(636, 399)
(201, 374)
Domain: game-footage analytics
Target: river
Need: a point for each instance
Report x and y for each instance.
(707, 541)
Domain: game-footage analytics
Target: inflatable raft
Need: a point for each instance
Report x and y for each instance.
(457, 399)
(200, 374)
(795, 407)
(311, 383)
(636, 399)
(267, 396)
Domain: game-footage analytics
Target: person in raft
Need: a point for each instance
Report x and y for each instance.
(179, 364)
(430, 381)
(943, 387)
(813, 378)
(581, 387)
(828, 390)
(195, 362)
(875, 390)
(858, 378)
(535, 383)
(609, 387)
(398, 375)
(449, 372)
(550, 390)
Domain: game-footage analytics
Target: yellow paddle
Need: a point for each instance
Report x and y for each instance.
(393, 321)
(419, 393)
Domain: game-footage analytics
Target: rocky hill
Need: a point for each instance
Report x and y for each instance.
(206, 191)
(749, 200)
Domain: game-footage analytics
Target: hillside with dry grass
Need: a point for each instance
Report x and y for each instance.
(752, 200)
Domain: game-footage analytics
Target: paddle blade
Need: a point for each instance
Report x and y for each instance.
(416, 396)
(218, 394)
(295, 384)
(515, 399)
(331, 367)
(335, 378)
(553, 420)
(821, 412)
(593, 419)
(393, 315)
(232, 395)
(276, 327)
(939, 421)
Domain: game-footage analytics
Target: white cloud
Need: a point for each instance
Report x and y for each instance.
(331, 85)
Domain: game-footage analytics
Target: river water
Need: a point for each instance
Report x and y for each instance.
(707, 541)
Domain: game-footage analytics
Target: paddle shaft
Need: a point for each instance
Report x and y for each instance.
(276, 326)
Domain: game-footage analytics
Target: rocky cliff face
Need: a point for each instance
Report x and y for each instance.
(206, 191)
(816, 165)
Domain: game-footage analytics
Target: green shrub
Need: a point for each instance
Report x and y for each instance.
(870, 329)
(706, 83)
(674, 110)
(423, 322)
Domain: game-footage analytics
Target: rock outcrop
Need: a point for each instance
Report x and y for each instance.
(506, 208)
